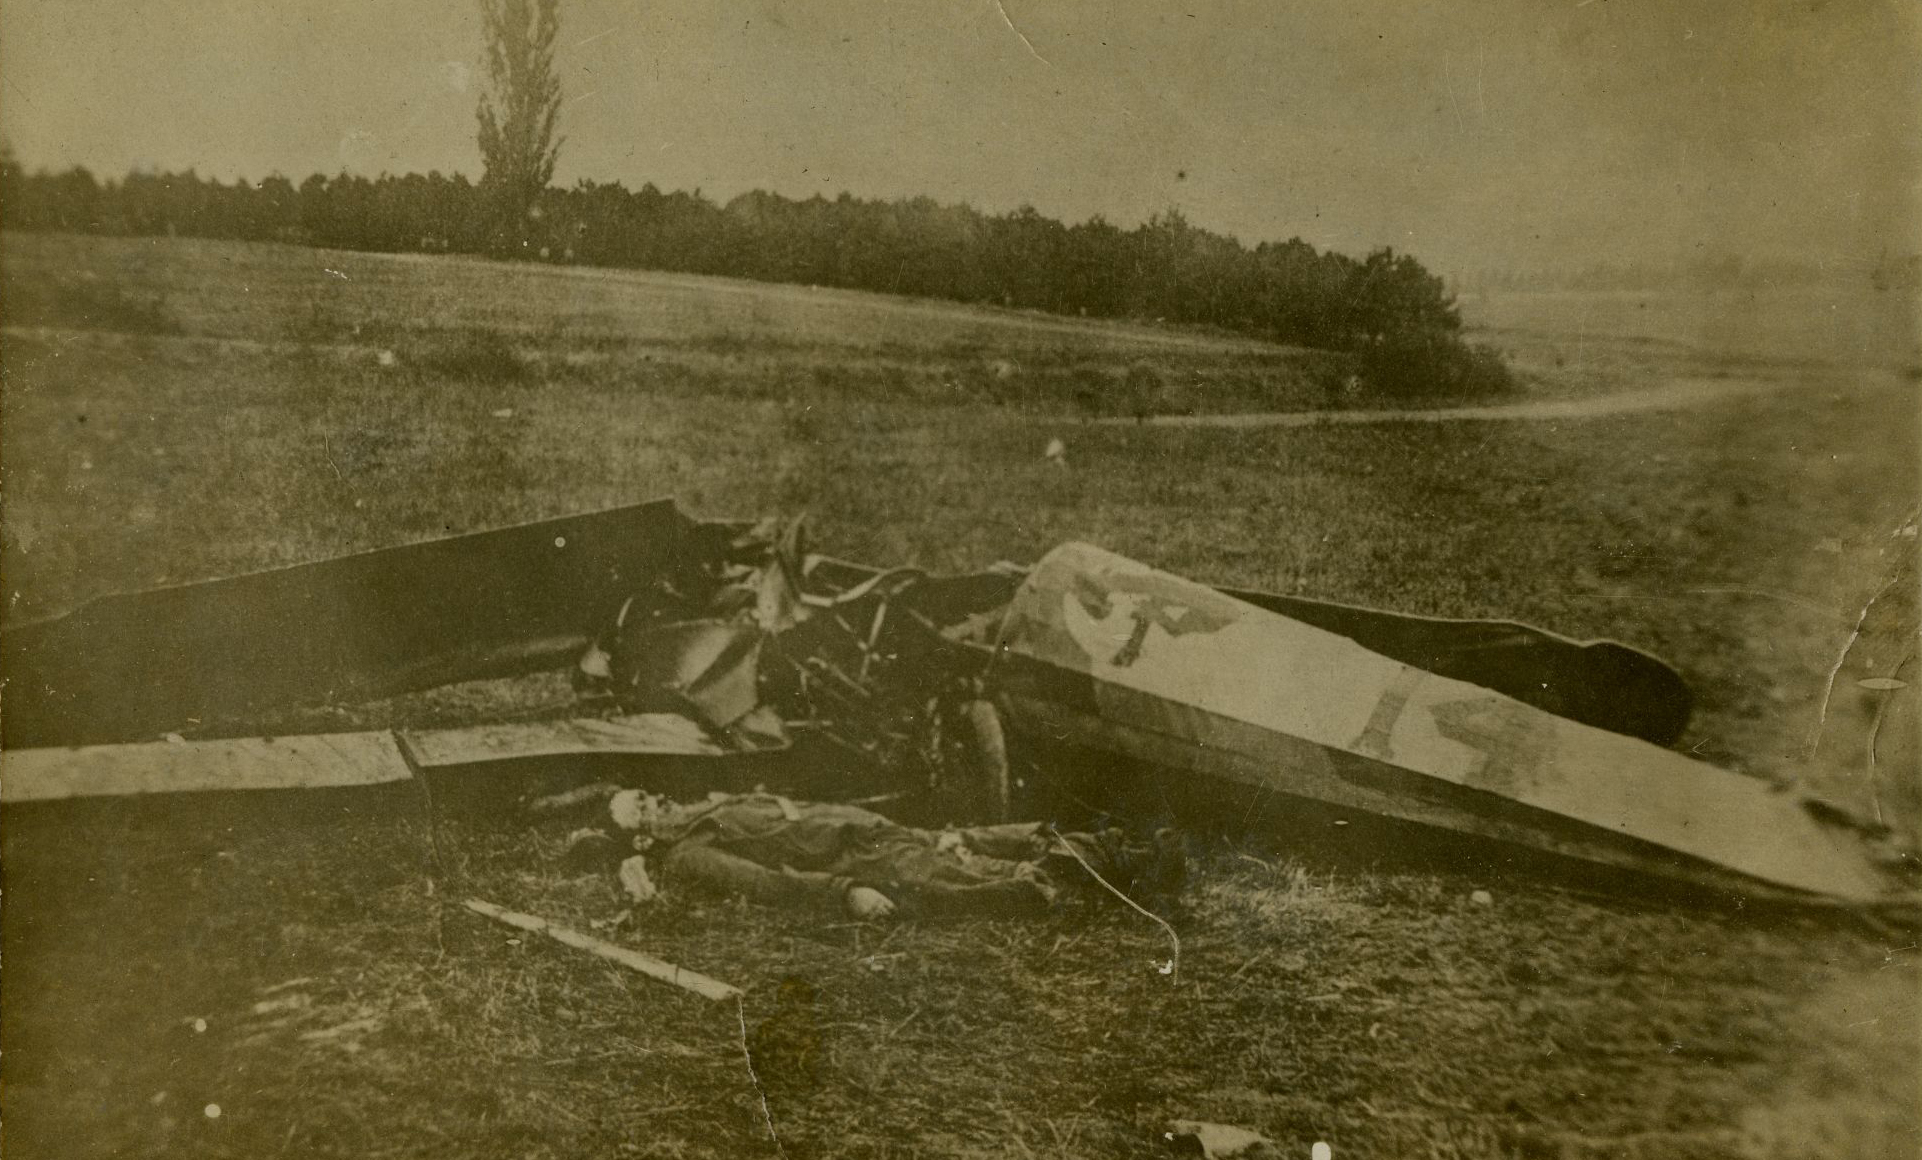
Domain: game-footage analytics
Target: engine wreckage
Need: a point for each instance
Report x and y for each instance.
(722, 643)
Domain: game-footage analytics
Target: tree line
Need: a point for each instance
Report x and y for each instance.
(1397, 317)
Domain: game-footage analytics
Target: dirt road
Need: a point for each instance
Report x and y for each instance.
(1674, 394)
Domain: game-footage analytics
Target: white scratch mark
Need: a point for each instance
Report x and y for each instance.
(583, 96)
(1454, 102)
(1828, 689)
(1025, 43)
(1875, 740)
(1771, 594)
(1173, 966)
(336, 273)
(595, 37)
(747, 1056)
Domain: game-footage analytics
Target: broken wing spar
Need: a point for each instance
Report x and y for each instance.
(1115, 656)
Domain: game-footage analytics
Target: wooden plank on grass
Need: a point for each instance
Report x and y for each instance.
(634, 960)
(327, 760)
(239, 763)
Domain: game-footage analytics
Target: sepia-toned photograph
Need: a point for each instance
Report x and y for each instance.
(960, 579)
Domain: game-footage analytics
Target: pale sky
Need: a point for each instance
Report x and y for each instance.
(1473, 133)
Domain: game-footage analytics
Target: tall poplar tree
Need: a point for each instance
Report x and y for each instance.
(519, 108)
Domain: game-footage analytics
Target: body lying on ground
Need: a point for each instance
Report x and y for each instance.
(824, 855)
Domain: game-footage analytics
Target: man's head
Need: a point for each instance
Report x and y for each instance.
(634, 809)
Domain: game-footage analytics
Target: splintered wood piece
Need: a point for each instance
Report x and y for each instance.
(634, 960)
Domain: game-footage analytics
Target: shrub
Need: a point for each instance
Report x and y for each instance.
(1432, 366)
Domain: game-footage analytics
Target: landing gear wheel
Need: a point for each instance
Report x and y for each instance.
(984, 791)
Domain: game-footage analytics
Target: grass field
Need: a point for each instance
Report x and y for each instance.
(177, 410)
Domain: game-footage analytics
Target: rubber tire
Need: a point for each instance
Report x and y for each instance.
(985, 792)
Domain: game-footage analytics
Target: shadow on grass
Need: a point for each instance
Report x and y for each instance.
(88, 303)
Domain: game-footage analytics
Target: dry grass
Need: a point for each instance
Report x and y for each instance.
(1332, 994)
(352, 1008)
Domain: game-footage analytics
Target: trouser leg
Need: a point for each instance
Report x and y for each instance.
(719, 872)
(914, 873)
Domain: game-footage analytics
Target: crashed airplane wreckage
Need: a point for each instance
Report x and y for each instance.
(714, 639)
